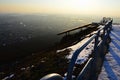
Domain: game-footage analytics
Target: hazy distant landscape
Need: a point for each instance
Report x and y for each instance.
(23, 34)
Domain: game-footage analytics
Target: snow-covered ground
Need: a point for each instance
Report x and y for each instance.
(111, 65)
(84, 54)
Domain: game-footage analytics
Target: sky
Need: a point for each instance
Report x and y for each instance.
(87, 7)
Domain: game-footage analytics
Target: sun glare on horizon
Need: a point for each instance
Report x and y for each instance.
(61, 6)
(84, 5)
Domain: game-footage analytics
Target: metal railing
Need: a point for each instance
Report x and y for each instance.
(94, 64)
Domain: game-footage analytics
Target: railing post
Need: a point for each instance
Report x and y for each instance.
(71, 65)
(93, 70)
(103, 43)
(108, 32)
(111, 24)
(96, 42)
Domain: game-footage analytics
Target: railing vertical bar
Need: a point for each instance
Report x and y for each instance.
(95, 55)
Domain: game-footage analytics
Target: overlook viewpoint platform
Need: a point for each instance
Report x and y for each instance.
(111, 66)
(104, 63)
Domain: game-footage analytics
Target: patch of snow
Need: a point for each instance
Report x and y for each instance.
(8, 77)
(58, 51)
(76, 46)
(32, 66)
(42, 61)
(84, 54)
(22, 69)
(28, 68)
(21, 23)
(100, 26)
(12, 75)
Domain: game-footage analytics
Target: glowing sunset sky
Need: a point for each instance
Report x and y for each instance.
(91, 7)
